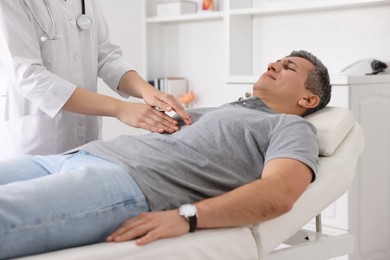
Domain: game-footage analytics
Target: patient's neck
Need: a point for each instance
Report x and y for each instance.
(283, 108)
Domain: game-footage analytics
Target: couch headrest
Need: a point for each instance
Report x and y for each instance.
(333, 124)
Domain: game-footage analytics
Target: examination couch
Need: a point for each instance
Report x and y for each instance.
(341, 142)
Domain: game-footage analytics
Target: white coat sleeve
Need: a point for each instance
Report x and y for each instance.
(20, 51)
(112, 65)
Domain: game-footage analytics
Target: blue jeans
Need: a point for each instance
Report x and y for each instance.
(53, 202)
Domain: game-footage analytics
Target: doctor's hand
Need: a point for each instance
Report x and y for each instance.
(150, 226)
(166, 102)
(146, 117)
(132, 84)
(133, 114)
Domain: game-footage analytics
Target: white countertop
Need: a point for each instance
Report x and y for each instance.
(338, 79)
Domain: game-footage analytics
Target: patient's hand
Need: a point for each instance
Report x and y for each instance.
(151, 226)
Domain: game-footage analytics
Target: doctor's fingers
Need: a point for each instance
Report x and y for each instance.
(168, 102)
(143, 116)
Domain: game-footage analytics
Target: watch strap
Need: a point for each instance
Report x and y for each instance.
(193, 222)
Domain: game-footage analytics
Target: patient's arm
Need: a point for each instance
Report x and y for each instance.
(282, 182)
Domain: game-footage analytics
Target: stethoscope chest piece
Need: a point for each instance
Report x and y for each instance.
(84, 22)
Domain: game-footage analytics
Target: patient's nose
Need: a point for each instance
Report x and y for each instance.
(274, 66)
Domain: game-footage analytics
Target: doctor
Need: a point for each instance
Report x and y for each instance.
(52, 53)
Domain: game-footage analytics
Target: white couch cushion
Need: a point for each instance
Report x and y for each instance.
(335, 174)
(333, 124)
(224, 243)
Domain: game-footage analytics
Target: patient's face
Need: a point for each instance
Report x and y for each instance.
(283, 84)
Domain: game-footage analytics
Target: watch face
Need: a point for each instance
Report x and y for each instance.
(187, 210)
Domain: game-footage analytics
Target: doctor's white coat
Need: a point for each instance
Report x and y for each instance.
(40, 76)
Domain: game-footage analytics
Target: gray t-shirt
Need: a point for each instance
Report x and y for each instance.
(225, 147)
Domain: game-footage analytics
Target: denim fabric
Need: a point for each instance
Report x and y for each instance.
(70, 200)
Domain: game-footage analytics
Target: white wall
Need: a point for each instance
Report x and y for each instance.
(124, 20)
(338, 37)
(2, 90)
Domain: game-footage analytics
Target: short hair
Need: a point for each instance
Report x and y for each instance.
(318, 79)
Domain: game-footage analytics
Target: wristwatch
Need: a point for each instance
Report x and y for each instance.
(189, 212)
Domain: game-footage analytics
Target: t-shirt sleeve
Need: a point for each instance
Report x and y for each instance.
(296, 139)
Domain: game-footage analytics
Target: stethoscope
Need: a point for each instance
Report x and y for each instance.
(83, 21)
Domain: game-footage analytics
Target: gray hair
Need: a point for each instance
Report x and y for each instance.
(318, 79)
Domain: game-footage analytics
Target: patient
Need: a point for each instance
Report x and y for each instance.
(242, 163)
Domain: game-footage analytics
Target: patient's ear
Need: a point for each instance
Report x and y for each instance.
(310, 101)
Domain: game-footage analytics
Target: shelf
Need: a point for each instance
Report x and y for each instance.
(202, 16)
(275, 9)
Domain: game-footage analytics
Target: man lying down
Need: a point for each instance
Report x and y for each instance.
(242, 163)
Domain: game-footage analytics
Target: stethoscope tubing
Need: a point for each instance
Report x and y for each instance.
(83, 21)
(37, 20)
(83, 7)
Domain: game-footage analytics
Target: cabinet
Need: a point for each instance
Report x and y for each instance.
(368, 201)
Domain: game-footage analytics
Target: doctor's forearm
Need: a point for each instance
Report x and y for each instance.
(86, 102)
(133, 114)
(132, 84)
